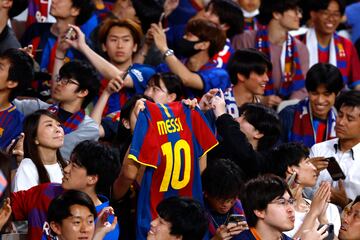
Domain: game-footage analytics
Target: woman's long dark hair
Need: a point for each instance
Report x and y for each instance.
(30, 128)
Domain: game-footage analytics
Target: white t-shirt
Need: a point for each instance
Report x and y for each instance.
(27, 176)
(332, 215)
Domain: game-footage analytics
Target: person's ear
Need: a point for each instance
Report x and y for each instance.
(171, 97)
(277, 15)
(92, 179)
(135, 48)
(83, 93)
(240, 77)
(258, 135)
(260, 214)
(202, 45)
(74, 12)
(126, 123)
(56, 228)
(103, 47)
(224, 27)
(11, 84)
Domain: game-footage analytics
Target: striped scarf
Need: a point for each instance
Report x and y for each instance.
(337, 52)
(292, 78)
(73, 122)
(303, 128)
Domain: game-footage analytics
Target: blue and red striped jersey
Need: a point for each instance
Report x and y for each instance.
(169, 140)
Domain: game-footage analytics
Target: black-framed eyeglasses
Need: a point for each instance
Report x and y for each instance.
(284, 202)
(65, 81)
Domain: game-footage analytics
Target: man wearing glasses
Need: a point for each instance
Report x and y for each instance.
(75, 87)
(269, 208)
(325, 46)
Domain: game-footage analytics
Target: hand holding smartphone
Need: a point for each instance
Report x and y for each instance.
(334, 169)
(235, 218)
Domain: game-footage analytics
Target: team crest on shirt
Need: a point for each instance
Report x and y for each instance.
(1, 132)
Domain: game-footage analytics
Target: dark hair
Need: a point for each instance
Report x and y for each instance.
(20, 70)
(207, 31)
(123, 135)
(86, 9)
(229, 13)
(286, 155)
(148, 11)
(357, 199)
(30, 128)
(259, 192)
(171, 81)
(59, 208)
(318, 5)
(86, 75)
(324, 74)
(348, 99)
(133, 27)
(187, 217)
(222, 179)
(267, 8)
(98, 159)
(247, 61)
(266, 121)
(17, 7)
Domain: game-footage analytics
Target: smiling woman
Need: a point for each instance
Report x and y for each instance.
(43, 162)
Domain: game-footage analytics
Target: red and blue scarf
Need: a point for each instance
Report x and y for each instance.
(303, 126)
(293, 78)
(73, 122)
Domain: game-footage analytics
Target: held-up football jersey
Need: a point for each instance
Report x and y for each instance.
(169, 140)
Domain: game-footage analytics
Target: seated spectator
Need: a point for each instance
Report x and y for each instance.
(312, 120)
(76, 86)
(92, 170)
(16, 74)
(72, 215)
(222, 185)
(250, 10)
(198, 72)
(162, 88)
(350, 221)
(344, 148)
(326, 46)
(120, 40)
(178, 218)
(248, 75)
(43, 162)
(185, 138)
(269, 208)
(248, 139)
(288, 55)
(43, 36)
(291, 162)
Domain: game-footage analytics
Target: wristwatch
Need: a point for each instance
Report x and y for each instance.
(168, 52)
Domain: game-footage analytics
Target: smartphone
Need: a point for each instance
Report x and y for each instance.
(235, 218)
(70, 34)
(329, 229)
(292, 183)
(334, 169)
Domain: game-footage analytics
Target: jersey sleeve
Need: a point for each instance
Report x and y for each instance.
(144, 145)
(203, 134)
(214, 78)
